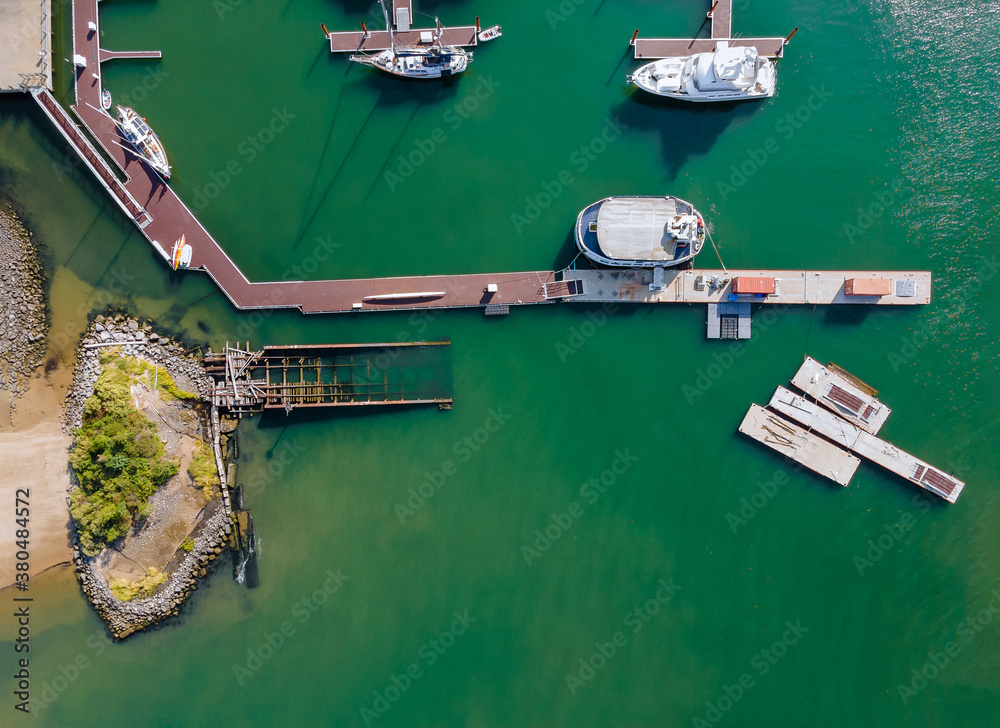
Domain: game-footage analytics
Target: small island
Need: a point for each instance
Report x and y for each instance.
(147, 502)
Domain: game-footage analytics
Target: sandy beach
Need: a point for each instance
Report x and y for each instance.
(35, 459)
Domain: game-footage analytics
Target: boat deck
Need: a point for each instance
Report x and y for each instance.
(722, 29)
(853, 401)
(843, 433)
(802, 446)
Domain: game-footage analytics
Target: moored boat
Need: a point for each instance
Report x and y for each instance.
(488, 34)
(430, 59)
(146, 143)
(106, 99)
(640, 231)
(419, 63)
(728, 74)
(180, 256)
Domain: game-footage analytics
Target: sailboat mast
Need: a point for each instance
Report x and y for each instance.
(388, 27)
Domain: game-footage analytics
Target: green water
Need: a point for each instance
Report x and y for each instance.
(896, 109)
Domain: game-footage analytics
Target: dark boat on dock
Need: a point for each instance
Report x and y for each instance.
(640, 231)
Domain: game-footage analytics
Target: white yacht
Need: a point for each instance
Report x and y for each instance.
(146, 143)
(640, 231)
(728, 74)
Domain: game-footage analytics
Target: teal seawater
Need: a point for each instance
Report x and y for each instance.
(888, 161)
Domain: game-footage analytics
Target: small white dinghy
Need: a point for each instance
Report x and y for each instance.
(488, 34)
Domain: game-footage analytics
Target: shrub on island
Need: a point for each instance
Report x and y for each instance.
(118, 460)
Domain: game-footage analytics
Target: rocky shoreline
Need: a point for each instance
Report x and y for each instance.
(124, 618)
(23, 314)
(139, 340)
(136, 339)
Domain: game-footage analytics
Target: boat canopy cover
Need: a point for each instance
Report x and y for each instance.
(630, 228)
(733, 63)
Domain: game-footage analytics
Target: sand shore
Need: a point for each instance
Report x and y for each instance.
(35, 460)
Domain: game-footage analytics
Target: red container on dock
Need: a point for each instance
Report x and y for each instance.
(868, 287)
(753, 285)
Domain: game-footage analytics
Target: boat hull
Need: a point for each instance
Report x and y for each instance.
(682, 87)
(588, 244)
(144, 140)
(415, 66)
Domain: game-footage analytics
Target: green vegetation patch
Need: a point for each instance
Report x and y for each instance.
(119, 461)
(203, 470)
(188, 544)
(127, 590)
(152, 375)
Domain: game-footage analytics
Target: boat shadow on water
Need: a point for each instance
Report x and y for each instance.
(686, 131)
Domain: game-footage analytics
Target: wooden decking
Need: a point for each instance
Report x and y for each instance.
(722, 29)
(106, 55)
(354, 41)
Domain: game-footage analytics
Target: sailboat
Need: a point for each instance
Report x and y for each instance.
(146, 143)
(417, 61)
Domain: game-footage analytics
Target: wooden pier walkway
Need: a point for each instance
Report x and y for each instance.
(368, 40)
(162, 217)
(106, 55)
(721, 14)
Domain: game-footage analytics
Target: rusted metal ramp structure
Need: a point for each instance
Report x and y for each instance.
(286, 378)
(721, 15)
(355, 41)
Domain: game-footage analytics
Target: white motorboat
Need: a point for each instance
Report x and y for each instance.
(491, 33)
(640, 231)
(728, 74)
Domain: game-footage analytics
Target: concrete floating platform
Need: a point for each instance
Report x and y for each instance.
(852, 400)
(785, 437)
(865, 444)
(792, 287)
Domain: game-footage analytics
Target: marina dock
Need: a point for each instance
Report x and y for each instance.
(286, 378)
(721, 15)
(802, 446)
(162, 217)
(354, 41)
(858, 441)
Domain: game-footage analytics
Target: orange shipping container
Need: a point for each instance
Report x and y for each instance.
(868, 287)
(748, 284)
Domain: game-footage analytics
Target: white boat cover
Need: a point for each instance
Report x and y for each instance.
(636, 228)
(734, 63)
